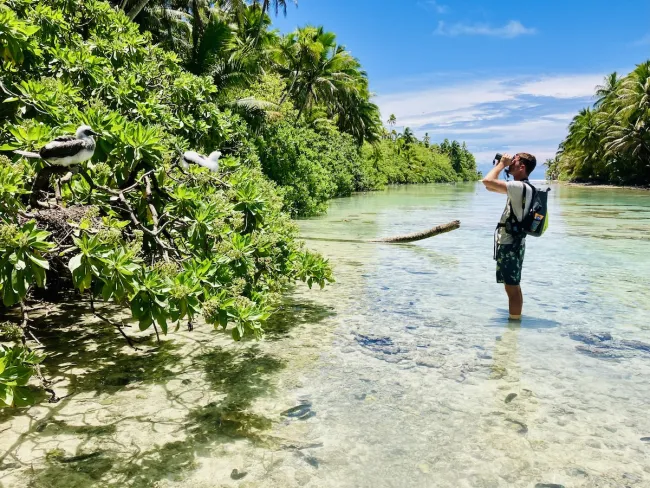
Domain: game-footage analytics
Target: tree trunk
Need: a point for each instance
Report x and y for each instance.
(265, 6)
(133, 13)
(417, 236)
(197, 32)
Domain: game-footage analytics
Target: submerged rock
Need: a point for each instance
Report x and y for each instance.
(603, 346)
(300, 412)
(523, 428)
(511, 397)
(590, 338)
(311, 460)
(237, 475)
(548, 485)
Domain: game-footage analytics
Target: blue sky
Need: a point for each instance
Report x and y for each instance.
(500, 75)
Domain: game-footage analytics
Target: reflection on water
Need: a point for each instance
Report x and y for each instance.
(405, 372)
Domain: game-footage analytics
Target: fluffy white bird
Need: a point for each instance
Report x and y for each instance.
(211, 162)
(67, 150)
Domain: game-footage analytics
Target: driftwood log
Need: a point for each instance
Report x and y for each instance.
(418, 236)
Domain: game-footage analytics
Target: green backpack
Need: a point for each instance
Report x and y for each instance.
(535, 222)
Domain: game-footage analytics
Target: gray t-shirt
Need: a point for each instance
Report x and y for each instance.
(514, 195)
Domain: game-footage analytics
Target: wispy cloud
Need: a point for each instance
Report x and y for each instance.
(512, 29)
(499, 114)
(435, 6)
(574, 86)
(644, 41)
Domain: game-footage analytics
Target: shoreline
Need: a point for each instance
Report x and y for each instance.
(601, 185)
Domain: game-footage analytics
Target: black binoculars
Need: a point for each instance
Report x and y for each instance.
(496, 159)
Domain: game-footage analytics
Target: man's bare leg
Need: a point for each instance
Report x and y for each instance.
(515, 301)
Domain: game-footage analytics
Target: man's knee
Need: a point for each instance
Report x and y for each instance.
(513, 290)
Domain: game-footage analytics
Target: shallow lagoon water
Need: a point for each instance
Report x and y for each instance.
(405, 372)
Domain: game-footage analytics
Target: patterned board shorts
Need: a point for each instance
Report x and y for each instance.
(510, 259)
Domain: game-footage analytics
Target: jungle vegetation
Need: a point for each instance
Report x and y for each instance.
(292, 115)
(610, 142)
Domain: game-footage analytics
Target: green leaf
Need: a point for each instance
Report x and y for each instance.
(75, 262)
(223, 318)
(23, 397)
(6, 395)
(145, 322)
(39, 262)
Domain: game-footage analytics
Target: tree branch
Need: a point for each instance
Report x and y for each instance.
(110, 322)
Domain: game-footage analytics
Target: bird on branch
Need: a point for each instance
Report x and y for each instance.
(66, 151)
(192, 157)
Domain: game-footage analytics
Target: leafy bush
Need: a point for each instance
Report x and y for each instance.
(16, 367)
(610, 143)
(311, 167)
(132, 227)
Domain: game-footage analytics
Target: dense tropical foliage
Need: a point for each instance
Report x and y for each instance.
(292, 116)
(610, 142)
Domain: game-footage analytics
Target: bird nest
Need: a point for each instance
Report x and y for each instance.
(61, 222)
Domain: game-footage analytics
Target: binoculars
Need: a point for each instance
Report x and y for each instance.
(496, 159)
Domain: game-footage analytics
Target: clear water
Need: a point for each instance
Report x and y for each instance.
(407, 368)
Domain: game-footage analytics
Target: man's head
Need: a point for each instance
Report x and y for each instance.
(522, 166)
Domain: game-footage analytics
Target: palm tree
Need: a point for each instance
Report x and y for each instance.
(629, 135)
(607, 91)
(408, 137)
(392, 120)
(266, 4)
(356, 115)
(318, 69)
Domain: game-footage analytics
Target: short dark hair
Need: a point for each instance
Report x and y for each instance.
(529, 161)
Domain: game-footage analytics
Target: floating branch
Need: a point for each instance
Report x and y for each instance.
(418, 236)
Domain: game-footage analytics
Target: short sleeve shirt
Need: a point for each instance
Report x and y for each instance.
(515, 195)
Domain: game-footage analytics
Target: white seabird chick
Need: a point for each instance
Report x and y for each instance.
(67, 150)
(211, 162)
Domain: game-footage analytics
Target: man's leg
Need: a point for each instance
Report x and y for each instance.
(510, 259)
(515, 301)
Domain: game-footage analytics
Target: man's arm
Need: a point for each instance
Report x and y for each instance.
(492, 181)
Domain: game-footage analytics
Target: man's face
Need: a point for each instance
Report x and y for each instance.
(518, 169)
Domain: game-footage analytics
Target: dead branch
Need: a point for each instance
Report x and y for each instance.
(417, 236)
(110, 322)
(41, 182)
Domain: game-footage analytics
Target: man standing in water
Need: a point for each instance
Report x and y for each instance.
(510, 245)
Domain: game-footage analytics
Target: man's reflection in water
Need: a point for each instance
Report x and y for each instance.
(511, 397)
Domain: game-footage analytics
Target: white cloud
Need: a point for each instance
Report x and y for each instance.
(512, 29)
(574, 86)
(461, 102)
(567, 116)
(495, 115)
(518, 130)
(444, 98)
(451, 117)
(644, 41)
(439, 8)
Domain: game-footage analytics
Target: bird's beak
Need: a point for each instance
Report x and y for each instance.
(93, 133)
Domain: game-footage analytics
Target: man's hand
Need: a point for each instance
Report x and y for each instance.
(506, 160)
(492, 181)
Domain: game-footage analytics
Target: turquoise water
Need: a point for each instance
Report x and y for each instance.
(422, 330)
(405, 372)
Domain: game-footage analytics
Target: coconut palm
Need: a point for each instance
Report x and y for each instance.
(318, 69)
(266, 5)
(356, 115)
(607, 91)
